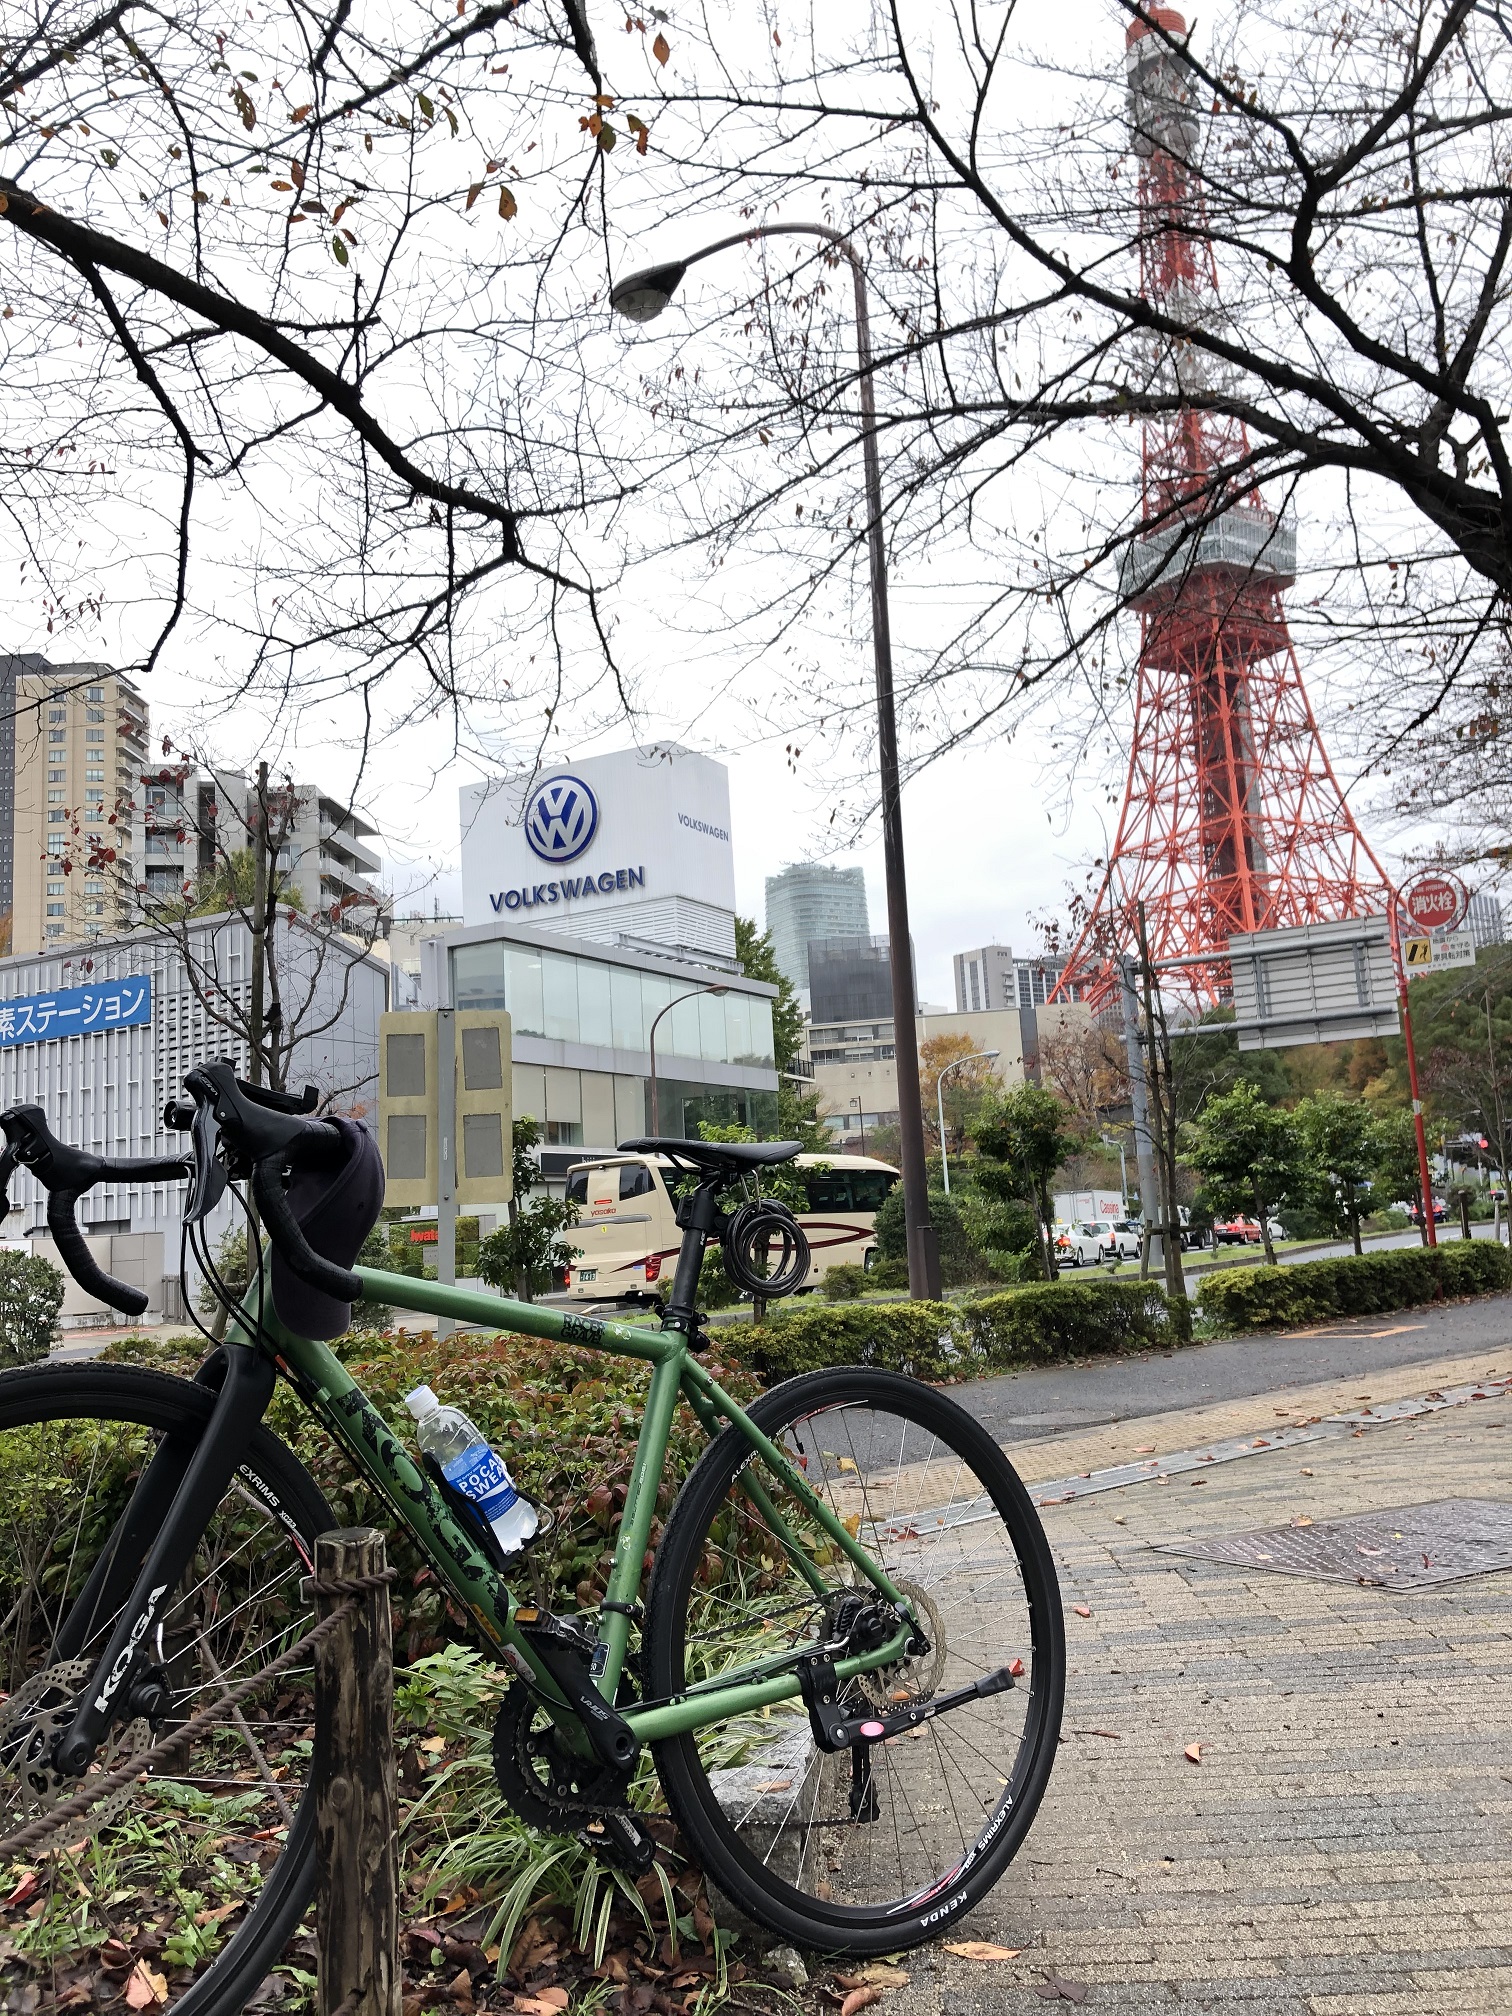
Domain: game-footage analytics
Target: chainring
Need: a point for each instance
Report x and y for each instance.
(540, 1777)
(31, 1720)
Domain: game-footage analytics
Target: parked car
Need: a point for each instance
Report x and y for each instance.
(1440, 1211)
(1078, 1245)
(1120, 1238)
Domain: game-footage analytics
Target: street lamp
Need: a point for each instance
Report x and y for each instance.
(976, 1057)
(692, 995)
(641, 297)
(1116, 1141)
(860, 1120)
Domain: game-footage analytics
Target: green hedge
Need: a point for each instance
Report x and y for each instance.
(1263, 1298)
(1036, 1325)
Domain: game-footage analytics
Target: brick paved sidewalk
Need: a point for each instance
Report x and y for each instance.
(1343, 1847)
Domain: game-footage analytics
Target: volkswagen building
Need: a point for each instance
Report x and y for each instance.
(598, 900)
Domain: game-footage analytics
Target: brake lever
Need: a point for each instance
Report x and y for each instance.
(208, 1184)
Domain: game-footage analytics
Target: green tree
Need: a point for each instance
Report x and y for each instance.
(31, 1294)
(1248, 1154)
(960, 1260)
(1338, 1142)
(1209, 1062)
(1023, 1137)
(526, 1253)
(1395, 1176)
(798, 1120)
(753, 948)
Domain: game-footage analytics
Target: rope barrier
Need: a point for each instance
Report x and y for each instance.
(58, 1817)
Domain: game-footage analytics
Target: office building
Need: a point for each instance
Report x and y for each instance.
(855, 1072)
(68, 822)
(629, 849)
(812, 900)
(99, 1035)
(1483, 920)
(991, 978)
(850, 980)
(584, 1017)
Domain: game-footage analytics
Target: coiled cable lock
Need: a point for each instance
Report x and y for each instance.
(764, 1248)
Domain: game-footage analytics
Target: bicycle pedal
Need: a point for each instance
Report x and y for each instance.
(619, 1838)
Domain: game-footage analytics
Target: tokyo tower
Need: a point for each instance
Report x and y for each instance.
(1232, 819)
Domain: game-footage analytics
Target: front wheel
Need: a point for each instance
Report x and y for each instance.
(875, 1848)
(217, 1844)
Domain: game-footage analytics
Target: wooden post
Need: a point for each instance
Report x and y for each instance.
(355, 1791)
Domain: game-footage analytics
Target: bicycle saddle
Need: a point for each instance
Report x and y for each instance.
(716, 1155)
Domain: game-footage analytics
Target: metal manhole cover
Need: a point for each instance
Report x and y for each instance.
(1408, 1547)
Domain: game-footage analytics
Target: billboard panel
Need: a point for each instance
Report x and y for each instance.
(1314, 983)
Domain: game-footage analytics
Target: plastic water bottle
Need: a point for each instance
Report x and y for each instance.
(473, 1468)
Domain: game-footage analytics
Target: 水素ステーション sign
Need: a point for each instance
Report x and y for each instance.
(76, 1011)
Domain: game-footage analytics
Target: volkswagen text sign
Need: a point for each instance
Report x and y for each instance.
(1435, 902)
(561, 818)
(633, 844)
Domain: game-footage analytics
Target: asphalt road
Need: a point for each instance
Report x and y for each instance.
(1051, 1399)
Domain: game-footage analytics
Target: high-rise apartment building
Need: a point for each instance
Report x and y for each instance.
(196, 819)
(77, 747)
(813, 900)
(990, 979)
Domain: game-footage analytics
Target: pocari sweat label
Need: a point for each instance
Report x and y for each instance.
(480, 1475)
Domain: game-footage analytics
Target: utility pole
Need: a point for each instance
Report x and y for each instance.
(259, 924)
(1164, 1095)
(1139, 1102)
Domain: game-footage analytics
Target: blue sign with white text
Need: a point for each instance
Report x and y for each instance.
(76, 1011)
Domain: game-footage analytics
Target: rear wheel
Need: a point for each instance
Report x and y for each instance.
(214, 1851)
(874, 1848)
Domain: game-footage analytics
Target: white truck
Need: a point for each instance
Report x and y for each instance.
(1072, 1206)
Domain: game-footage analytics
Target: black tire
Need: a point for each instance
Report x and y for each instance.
(715, 1579)
(276, 1490)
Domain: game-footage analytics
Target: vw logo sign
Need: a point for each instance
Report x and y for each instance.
(561, 818)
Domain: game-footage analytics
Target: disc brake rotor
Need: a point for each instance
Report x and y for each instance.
(913, 1678)
(31, 1719)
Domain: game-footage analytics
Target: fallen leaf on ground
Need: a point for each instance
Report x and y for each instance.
(1145, 1449)
(25, 1889)
(1193, 1753)
(432, 1746)
(981, 1949)
(879, 1975)
(860, 1998)
(1302, 1520)
(1055, 1988)
(548, 2003)
(144, 1988)
(776, 1785)
(1082, 1610)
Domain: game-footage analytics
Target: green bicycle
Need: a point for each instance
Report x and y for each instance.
(848, 1669)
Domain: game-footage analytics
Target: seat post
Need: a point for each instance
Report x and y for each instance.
(697, 1215)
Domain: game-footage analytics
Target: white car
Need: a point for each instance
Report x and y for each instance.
(1078, 1245)
(1120, 1238)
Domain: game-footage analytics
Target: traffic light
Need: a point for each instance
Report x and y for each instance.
(461, 1144)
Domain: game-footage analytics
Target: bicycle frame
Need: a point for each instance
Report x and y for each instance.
(337, 1400)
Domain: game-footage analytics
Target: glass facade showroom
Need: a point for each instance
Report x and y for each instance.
(567, 998)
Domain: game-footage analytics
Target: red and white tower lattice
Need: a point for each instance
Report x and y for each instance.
(1233, 819)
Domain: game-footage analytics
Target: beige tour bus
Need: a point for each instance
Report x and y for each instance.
(627, 1237)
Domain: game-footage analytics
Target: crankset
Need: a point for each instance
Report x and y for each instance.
(561, 1793)
(31, 1720)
